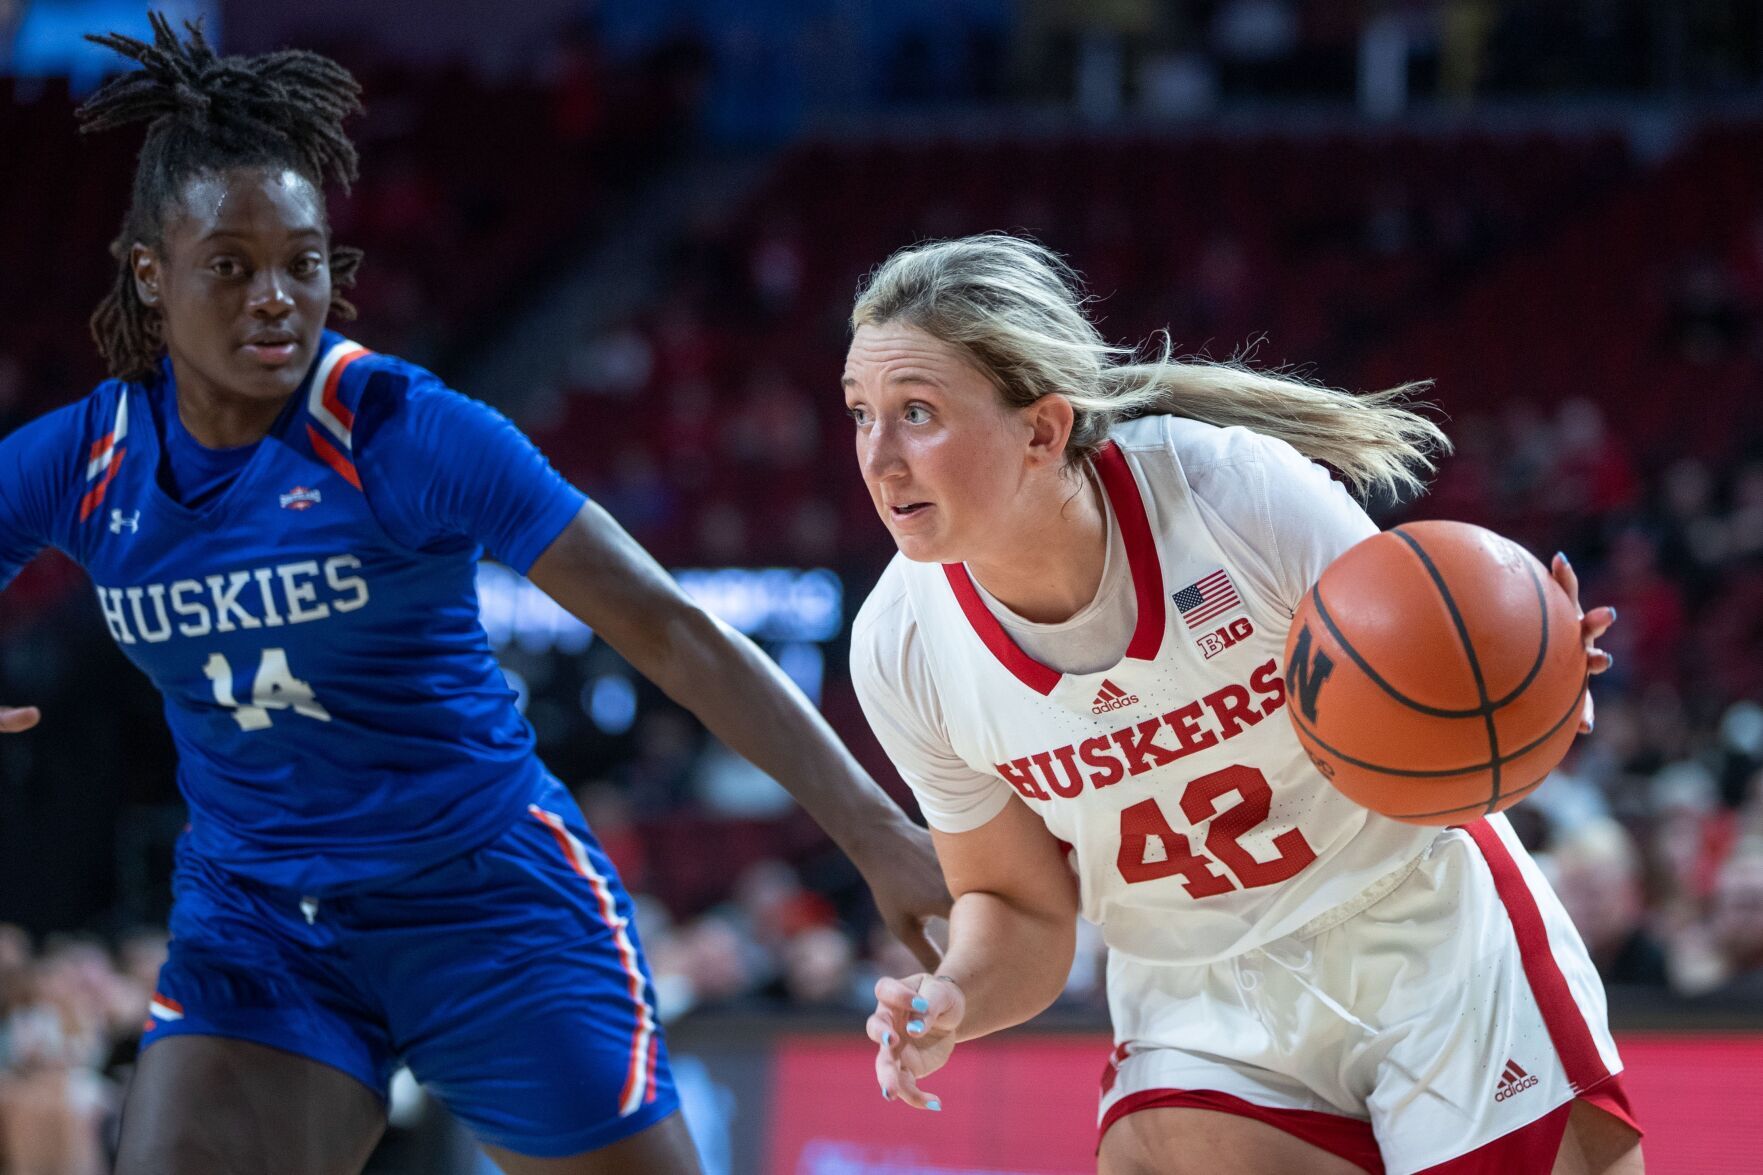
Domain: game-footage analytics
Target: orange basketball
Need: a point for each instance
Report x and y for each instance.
(1436, 673)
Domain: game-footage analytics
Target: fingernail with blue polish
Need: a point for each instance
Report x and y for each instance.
(888, 1039)
(914, 1027)
(1612, 615)
(920, 1004)
(1561, 555)
(933, 1104)
(886, 1096)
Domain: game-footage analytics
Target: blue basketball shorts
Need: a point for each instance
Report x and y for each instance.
(510, 981)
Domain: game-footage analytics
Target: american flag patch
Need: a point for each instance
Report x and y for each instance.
(1207, 598)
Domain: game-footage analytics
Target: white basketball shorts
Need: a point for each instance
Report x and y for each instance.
(1445, 1022)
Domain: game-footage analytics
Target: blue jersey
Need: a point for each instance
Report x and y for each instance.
(313, 625)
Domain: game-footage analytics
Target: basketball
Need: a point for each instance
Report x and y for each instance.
(1435, 673)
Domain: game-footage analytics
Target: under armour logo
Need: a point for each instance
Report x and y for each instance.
(120, 522)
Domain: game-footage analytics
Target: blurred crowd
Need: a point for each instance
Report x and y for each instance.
(783, 64)
(1653, 828)
(70, 1022)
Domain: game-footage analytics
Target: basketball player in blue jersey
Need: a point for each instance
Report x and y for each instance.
(283, 529)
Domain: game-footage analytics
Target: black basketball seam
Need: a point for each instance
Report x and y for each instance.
(1481, 685)
(1340, 638)
(1536, 666)
(1408, 773)
(1518, 794)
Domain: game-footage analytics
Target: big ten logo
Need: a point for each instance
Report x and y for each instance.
(1215, 642)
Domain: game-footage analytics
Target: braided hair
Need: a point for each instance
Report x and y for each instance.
(206, 114)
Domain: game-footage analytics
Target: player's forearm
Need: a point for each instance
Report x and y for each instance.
(605, 578)
(1010, 963)
(745, 700)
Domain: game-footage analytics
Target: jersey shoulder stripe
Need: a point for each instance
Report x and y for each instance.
(105, 457)
(332, 401)
(352, 388)
(343, 381)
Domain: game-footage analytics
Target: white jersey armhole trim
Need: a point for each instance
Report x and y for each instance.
(867, 619)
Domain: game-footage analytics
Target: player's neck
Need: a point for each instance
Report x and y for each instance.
(1049, 568)
(218, 419)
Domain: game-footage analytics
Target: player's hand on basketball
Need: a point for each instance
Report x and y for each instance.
(907, 882)
(1592, 625)
(914, 1029)
(14, 719)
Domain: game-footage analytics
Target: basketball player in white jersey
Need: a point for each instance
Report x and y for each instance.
(1075, 663)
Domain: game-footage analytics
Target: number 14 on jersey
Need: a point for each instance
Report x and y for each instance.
(274, 688)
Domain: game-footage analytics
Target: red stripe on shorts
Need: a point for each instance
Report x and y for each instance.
(1112, 1069)
(1350, 1138)
(1561, 1015)
(639, 1082)
(1533, 1147)
(1611, 1098)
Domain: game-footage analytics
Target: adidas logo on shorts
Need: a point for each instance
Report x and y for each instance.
(1112, 697)
(1513, 1081)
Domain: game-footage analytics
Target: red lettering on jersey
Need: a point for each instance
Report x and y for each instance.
(1095, 753)
(1143, 745)
(1141, 822)
(1231, 704)
(1200, 800)
(1133, 750)
(1266, 680)
(1187, 730)
(1044, 761)
(1020, 775)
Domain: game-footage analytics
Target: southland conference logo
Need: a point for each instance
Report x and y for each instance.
(300, 498)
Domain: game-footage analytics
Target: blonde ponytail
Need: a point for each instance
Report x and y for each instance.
(1018, 310)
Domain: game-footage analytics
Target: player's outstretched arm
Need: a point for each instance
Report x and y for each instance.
(1012, 936)
(14, 719)
(605, 578)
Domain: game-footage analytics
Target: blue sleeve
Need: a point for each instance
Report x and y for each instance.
(36, 469)
(437, 465)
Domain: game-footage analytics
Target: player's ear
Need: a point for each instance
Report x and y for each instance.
(1050, 420)
(144, 266)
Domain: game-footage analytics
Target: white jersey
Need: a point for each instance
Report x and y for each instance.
(1198, 827)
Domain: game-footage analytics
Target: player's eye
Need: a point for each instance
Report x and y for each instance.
(917, 414)
(226, 267)
(306, 265)
(860, 416)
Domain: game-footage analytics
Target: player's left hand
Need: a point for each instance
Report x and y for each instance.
(904, 875)
(1592, 625)
(914, 1027)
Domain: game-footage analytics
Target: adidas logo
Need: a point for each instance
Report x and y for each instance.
(1112, 697)
(1513, 1081)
